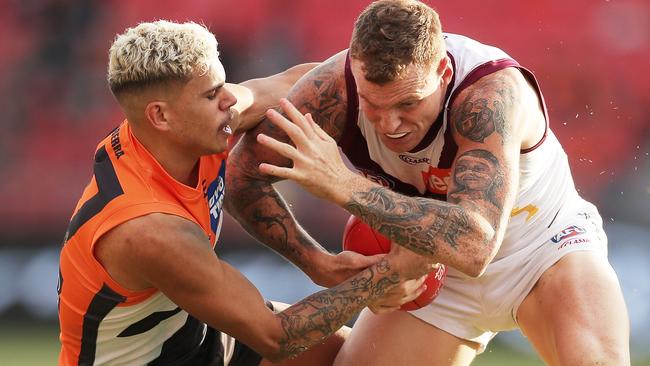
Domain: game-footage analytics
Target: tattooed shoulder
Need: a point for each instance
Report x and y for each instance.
(486, 107)
(322, 93)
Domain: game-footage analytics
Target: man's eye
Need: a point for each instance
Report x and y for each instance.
(408, 104)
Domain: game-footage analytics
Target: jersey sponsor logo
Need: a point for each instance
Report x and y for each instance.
(115, 143)
(412, 160)
(216, 191)
(437, 179)
(377, 178)
(574, 241)
(567, 233)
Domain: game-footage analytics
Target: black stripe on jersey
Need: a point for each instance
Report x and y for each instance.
(148, 323)
(554, 217)
(59, 288)
(190, 345)
(108, 187)
(103, 302)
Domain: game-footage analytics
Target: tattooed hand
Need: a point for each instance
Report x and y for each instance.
(399, 295)
(337, 268)
(319, 315)
(416, 268)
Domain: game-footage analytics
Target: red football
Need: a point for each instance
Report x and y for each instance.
(361, 238)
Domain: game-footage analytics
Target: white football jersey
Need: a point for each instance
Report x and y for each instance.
(545, 189)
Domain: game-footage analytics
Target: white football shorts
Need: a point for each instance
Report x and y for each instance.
(476, 309)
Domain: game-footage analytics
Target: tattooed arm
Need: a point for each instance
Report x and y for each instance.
(464, 232)
(173, 255)
(255, 96)
(256, 204)
(467, 231)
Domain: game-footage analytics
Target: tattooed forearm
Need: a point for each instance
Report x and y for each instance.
(321, 314)
(271, 223)
(431, 227)
(261, 211)
(419, 224)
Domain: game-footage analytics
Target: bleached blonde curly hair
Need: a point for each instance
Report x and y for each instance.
(157, 52)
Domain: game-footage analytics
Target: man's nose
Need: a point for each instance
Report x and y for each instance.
(228, 100)
(388, 122)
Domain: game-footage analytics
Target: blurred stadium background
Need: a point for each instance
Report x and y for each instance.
(589, 56)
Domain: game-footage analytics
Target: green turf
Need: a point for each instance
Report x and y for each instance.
(30, 345)
(38, 345)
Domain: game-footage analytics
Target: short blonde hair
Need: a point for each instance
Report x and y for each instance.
(158, 52)
(389, 35)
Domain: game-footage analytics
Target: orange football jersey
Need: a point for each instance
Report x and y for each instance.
(102, 322)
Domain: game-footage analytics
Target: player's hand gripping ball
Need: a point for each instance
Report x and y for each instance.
(361, 238)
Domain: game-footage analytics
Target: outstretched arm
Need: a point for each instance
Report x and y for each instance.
(174, 255)
(256, 204)
(464, 232)
(255, 96)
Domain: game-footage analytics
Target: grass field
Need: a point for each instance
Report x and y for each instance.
(37, 345)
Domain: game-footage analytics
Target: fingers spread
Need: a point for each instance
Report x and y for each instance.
(281, 148)
(280, 172)
(318, 131)
(292, 130)
(296, 117)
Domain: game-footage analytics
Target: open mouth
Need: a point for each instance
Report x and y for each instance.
(396, 135)
(227, 129)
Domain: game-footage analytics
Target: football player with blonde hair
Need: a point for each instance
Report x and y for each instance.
(139, 280)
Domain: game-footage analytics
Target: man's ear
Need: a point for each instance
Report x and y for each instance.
(445, 70)
(157, 114)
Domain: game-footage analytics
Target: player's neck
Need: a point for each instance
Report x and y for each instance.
(179, 163)
(184, 169)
